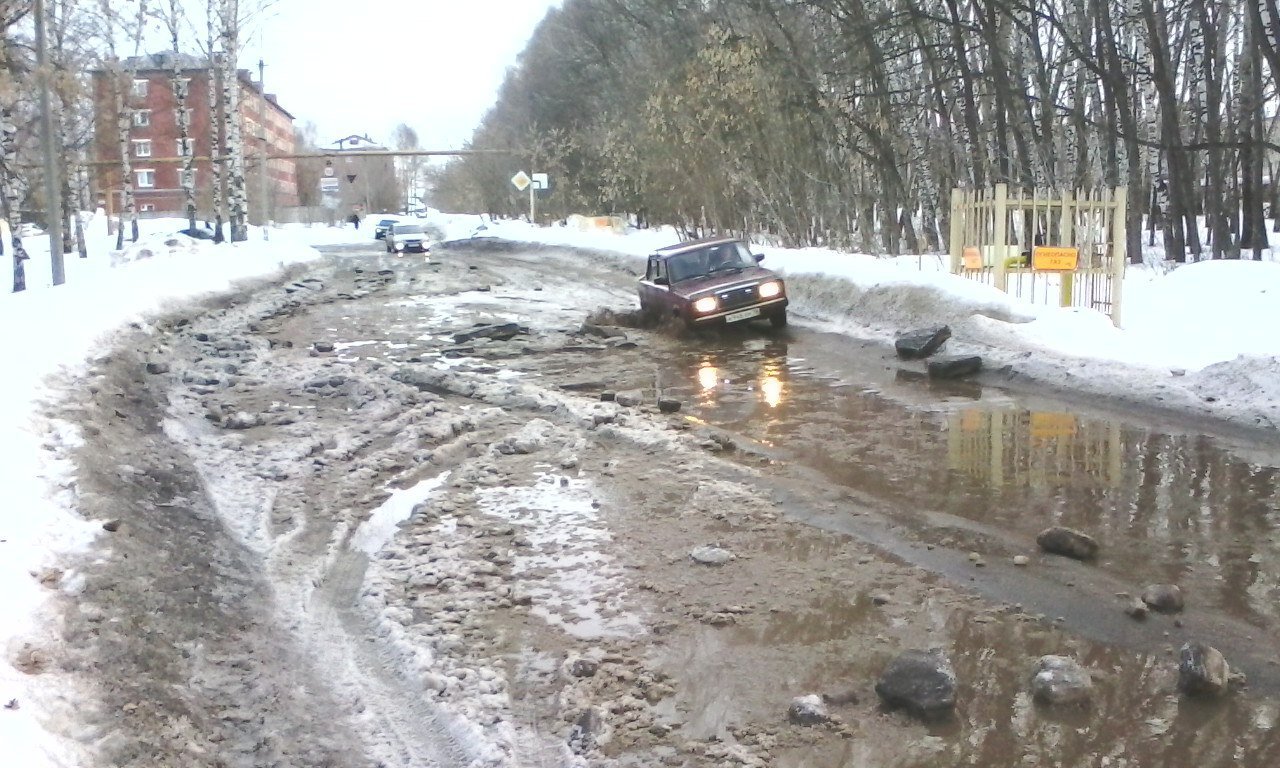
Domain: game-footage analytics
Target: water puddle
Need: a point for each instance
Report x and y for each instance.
(574, 584)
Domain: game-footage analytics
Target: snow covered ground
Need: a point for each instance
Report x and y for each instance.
(1200, 337)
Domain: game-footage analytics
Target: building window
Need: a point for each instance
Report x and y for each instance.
(148, 207)
(141, 118)
(183, 147)
(140, 89)
(142, 148)
(146, 179)
(187, 178)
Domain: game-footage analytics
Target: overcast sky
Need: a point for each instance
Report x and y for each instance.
(364, 66)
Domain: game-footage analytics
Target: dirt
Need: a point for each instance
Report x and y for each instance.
(345, 539)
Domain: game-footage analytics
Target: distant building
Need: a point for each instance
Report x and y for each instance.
(154, 141)
(362, 182)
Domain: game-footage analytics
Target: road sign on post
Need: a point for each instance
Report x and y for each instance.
(521, 181)
(351, 178)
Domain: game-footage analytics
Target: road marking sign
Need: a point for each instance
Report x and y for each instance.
(521, 181)
(540, 181)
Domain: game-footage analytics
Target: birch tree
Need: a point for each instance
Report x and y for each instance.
(237, 200)
(172, 16)
(10, 15)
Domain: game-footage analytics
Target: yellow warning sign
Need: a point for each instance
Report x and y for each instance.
(1053, 259)
(972, 258)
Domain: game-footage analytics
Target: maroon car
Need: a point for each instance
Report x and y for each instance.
(712, 282)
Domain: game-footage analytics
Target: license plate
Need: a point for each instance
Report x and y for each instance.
(746, 314)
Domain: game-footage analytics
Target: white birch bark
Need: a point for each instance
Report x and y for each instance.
(216, 142)
(236, 191)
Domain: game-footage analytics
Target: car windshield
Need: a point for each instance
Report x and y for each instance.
(408, 229)
(386, 222)
(723, 257)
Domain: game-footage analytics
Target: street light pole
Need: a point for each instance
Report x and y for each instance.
(52, 190)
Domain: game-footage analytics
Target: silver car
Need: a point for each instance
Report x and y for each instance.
(404, 237)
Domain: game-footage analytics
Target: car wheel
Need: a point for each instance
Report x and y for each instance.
(779, 319)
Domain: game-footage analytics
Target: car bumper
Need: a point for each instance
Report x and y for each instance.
(756, 311)
(413, 247)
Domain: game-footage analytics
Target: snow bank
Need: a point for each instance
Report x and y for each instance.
(51, 331)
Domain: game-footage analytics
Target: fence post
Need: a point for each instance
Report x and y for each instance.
(998, 240)
(955, 240)
(1119, 240)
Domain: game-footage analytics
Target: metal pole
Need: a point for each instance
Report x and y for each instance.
(52, 190)
(262, 184)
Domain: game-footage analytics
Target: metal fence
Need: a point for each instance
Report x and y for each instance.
(1062, 249)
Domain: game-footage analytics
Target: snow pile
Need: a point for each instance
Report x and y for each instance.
(53, 330)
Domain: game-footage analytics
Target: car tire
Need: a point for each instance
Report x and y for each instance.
(778, 319)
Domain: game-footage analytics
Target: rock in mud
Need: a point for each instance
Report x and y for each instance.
(1136, 609)
(954, 366)
(922, 343)
(808, 710)
(1068, 542)
(608, 397)
(603, 331)
(583, 667)
(1165, 598)
(1202, 670)
(630, 398)
(668, 405)
(498, 332)
(921, 682)
(711, 555)
(589, 731)
(323, 346)
(242, 420)
(111, 526)
(157, 367)
(1060, 680)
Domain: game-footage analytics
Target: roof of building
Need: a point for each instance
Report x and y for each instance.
(356, 143)
(163, 62)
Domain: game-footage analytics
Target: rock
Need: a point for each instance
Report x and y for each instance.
(1136, 609)
(323, 346)
(242, 420)
(111, 526)
(1165, 598)
(608, 397)
(603, 331)
(808, 710)
(711, 555)
(202, 337)
(879, 598)
(498, 332)
(1202, 671)
(583, 667)
(587, 731)
(1060, 680)
(630, 398)
(668, 405)
(954, 366)
(1021, 560)
(156, 367)
(921, 682)
(1068, 542)
(922, 343)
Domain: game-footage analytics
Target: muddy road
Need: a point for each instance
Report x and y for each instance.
(341, 533)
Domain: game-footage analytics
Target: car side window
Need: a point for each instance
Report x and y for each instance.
(659, 269)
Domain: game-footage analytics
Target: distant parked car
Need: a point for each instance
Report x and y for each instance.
(403, 236)
(380, 229)
(716, 281)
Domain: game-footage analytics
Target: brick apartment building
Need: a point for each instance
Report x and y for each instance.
(154, 143)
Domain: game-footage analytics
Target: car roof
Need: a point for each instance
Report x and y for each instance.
(690, 245)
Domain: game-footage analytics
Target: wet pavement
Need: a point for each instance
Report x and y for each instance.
(932, 474)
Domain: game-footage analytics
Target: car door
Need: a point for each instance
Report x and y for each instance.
(650, 300)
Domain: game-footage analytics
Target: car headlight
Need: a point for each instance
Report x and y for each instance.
(770, 289)
(705, 304)
(399, 246)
